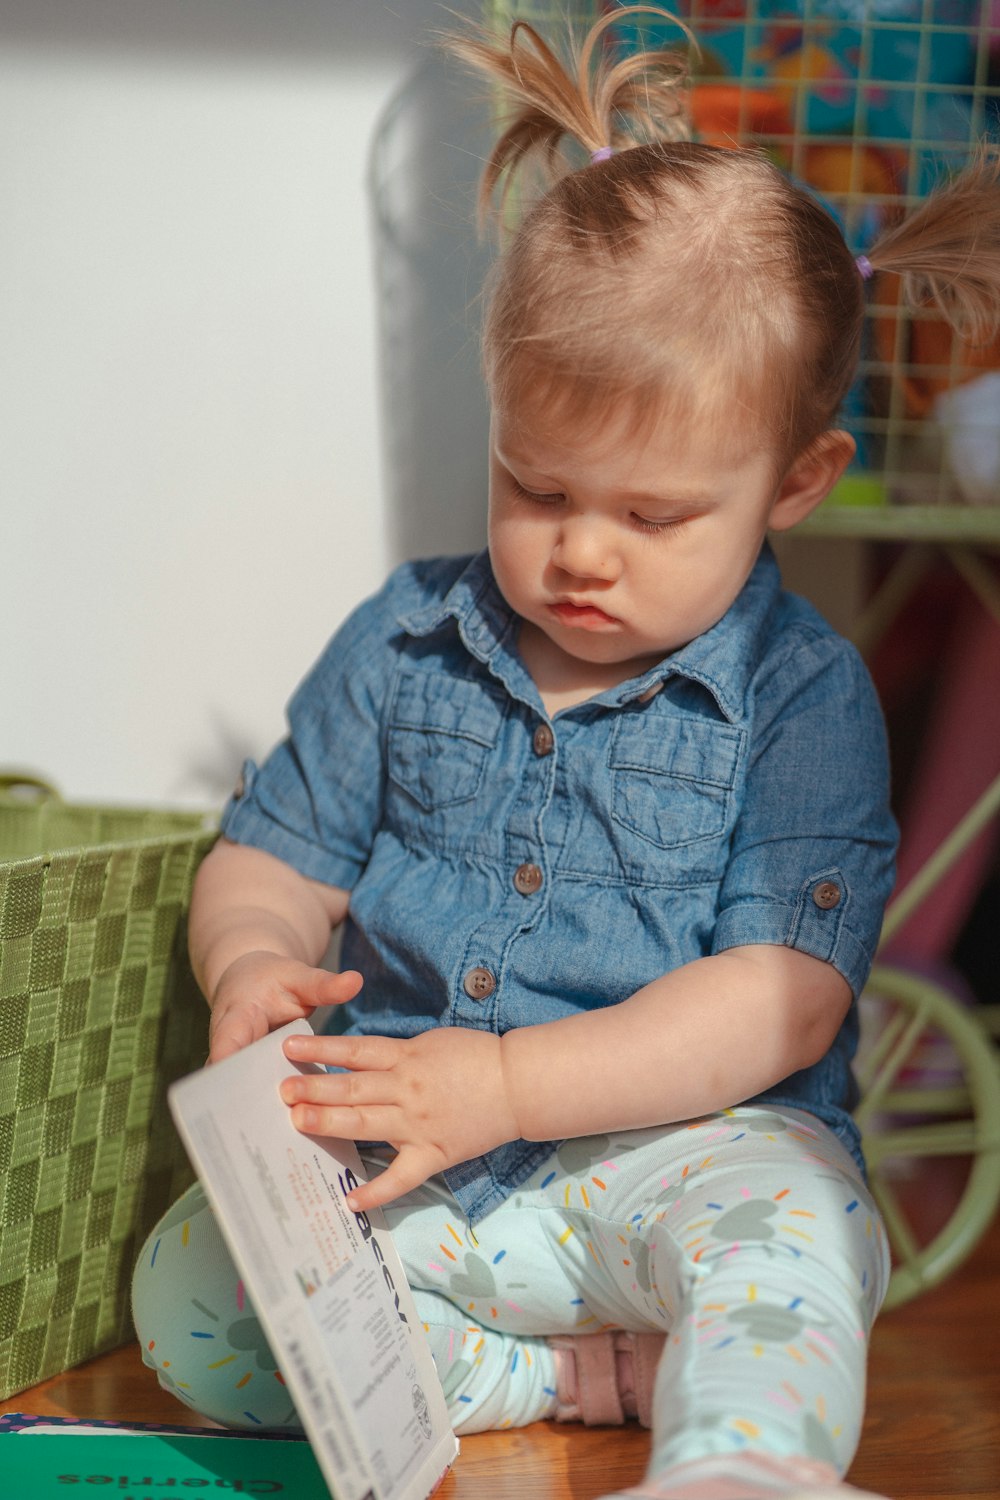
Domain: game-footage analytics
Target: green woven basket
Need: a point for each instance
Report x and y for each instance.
(99, 1012)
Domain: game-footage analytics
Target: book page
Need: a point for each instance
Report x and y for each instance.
(326, 1283)
(147, 1466)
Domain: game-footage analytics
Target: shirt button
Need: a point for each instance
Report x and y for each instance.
(826, 895)
(543, 740)
(527, 879)
(478, 984)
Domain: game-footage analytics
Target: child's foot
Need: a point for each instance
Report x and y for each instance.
(750, 1476)
(606, 1378)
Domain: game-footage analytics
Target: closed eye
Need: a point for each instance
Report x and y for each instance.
(648, 525)
(656, 528)
(541, 496)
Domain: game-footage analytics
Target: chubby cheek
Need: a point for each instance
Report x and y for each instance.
(517, 554)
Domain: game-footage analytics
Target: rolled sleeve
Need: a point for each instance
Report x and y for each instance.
(812, 856)
(316, 802)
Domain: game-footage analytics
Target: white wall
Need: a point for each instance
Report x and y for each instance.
(191, 493)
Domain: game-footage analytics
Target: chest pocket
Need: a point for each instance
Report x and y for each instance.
(441, 733)
(672, 777)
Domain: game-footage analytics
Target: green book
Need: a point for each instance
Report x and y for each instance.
(148, 1466)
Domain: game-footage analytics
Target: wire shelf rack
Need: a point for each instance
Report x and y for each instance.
(868, 102)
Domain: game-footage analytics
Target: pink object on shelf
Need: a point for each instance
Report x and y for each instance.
(959, 760)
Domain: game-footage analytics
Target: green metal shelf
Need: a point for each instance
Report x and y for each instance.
(906, 523)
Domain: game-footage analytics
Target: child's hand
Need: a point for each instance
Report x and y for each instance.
(438, 1098)
(261, 991)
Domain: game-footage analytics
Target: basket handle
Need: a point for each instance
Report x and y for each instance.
(22, 786)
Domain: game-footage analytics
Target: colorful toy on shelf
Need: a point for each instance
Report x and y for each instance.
(969, 417)
(838, 72)
(724, 114)
(949, 382)
(791, 59)
(858, 489)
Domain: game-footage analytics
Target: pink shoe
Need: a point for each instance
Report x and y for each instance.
(749, 1476)
(603, 1379)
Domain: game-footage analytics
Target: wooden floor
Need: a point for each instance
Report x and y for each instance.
(932, 1430)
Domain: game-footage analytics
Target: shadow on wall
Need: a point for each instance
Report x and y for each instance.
(261, 30)
(425, 166)
(426, 159)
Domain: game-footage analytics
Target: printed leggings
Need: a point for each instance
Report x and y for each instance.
(747, 1238)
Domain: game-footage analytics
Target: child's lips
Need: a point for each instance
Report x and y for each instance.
(586, 616)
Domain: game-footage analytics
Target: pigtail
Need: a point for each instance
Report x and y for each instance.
(588, 99)
(948, 250)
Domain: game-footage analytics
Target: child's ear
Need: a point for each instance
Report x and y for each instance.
(810, 479)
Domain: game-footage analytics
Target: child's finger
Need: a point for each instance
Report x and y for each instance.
(364, 1053)
(336, 989)
(231, 1035)
(339, 1090)
(376, 1122)
(405, 1172)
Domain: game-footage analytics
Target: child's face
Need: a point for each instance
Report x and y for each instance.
(620, 549)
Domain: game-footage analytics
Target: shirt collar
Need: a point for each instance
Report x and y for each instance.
(485, 620)
(722, 659)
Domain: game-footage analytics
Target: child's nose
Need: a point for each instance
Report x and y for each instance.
(584, 547)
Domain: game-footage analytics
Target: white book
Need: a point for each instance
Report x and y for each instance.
(326, 1283)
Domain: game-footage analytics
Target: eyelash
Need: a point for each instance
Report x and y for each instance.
(646, 527)
(657, 528)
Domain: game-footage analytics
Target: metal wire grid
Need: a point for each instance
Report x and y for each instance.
(869, 102)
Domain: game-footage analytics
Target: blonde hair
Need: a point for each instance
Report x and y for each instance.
(688, 278)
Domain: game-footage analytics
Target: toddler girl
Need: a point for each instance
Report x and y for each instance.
(604, 815)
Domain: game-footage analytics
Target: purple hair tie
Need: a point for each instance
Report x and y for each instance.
(602, 153)
(865, 266)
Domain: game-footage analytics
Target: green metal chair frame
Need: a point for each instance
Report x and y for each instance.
(903, 1122)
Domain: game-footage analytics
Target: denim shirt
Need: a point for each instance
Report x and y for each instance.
(506, 868)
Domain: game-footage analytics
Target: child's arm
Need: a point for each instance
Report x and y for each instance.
(257, 930)
(702, 1038)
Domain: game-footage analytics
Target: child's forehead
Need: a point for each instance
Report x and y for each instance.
(558, 425)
